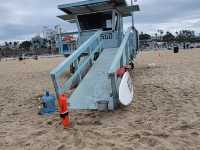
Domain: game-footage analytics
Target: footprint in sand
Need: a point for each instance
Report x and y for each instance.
(39, 133)
(61, 147)
(150, 141)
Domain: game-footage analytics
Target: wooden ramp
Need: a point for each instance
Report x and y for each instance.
(96, 85)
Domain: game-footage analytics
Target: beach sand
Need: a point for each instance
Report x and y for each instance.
(164, 116)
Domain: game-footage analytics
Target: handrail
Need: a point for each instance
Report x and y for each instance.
(91, 46)
(126, 53)
(60, 68)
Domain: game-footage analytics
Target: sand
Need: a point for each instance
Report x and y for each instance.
(164, 116)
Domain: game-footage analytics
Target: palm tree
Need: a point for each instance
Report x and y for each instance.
(10, 44)
(6, 44)
(15, 44)
(160, 32)
(156, 35)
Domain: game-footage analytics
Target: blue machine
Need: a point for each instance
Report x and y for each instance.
(48, 102)
(102, 49)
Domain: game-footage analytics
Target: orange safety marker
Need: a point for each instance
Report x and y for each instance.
(64, 113)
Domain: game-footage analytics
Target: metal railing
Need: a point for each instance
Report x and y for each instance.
(92, 46)
(126, 53)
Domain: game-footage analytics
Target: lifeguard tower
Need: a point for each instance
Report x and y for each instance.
(102, 48)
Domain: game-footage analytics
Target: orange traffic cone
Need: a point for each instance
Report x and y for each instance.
(64, 114)
(66, 121)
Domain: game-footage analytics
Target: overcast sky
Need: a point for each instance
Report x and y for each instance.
(21, 19)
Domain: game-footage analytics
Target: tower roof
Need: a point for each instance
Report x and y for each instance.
(91, 6)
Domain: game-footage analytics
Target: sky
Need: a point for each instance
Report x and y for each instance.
(22, 19)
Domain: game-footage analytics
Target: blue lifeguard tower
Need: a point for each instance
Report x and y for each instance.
(102, 48)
